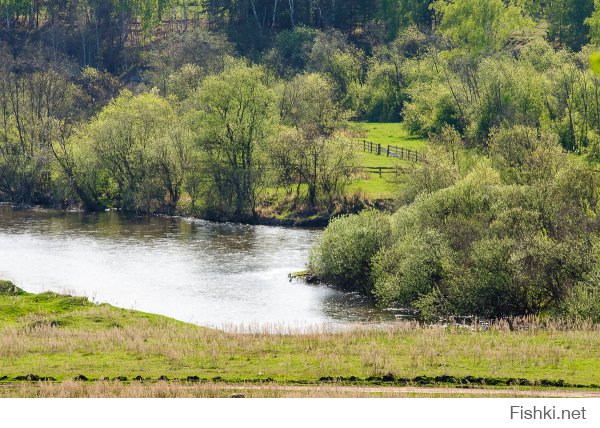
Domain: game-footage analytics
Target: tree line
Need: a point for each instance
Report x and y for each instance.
(114, 34)
(218, 146)
(459, 71)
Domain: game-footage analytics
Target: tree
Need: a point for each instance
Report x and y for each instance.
(291, 50)
(400, 14)
(234, 117)
(481, 246)
(136, 141)
(308, 104)
(198, 47)
(324, 165)
(567, 21)
(311, 154)
(479, 26)
(593, 23)
(383, 94)
(36, 109)
(333, 56)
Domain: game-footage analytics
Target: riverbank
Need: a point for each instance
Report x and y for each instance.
(52, 339)
(264, 217)
(280, 208)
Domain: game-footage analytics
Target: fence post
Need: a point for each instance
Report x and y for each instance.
(380, 172)
(388, 151)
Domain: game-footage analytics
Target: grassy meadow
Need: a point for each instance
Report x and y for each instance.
(371, 185)
(49, 340)
(393, 134)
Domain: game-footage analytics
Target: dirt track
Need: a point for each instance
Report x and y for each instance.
(173, 389)
(405, 390)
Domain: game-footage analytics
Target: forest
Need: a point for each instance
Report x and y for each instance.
(241, 110)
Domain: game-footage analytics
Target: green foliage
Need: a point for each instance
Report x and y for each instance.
(595, 62)
(291, 51)
(343, 257)
(8, 288)
(309, 153)
(540, 88)
(136, 144)
(593, 23)
(410, 268)
(582, 303)
(525, 155)
(432, 107)
(438, 172)
(382, 96)
(234, 117)
(322, 165)
(480, 26)
(510, 93)
(35, 109)
(400, 14)
(332, 55)
(486, 245)
(308, 103)
(184, 58)
(185, 81)
(567, 21)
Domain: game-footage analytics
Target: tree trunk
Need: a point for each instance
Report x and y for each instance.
(292, 20)
(274, 14)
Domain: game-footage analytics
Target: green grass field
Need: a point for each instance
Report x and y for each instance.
(61, 337)
(372, 186)
(393, 134)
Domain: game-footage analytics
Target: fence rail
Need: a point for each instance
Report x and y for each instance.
(383, 170)
(392, 151)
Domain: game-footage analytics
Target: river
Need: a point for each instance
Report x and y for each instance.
(219, 275)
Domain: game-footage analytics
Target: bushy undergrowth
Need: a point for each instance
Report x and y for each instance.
(493, 244)
(344, 255)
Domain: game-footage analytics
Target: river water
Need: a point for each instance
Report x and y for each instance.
(220, 275)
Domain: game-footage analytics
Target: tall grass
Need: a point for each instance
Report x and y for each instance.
(154, 347)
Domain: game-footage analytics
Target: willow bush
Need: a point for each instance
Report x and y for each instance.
(343, 256)
(483, 246)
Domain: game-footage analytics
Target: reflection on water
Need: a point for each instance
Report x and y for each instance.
(192, 270)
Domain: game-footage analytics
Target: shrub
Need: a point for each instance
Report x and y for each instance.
(343, 256)
(438, 172)
(487, 288)
(8, 288)
(582, 303)
(479, 247)
(410, 268)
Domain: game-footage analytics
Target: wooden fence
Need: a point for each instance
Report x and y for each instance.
(392, 151)
(383, 170)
